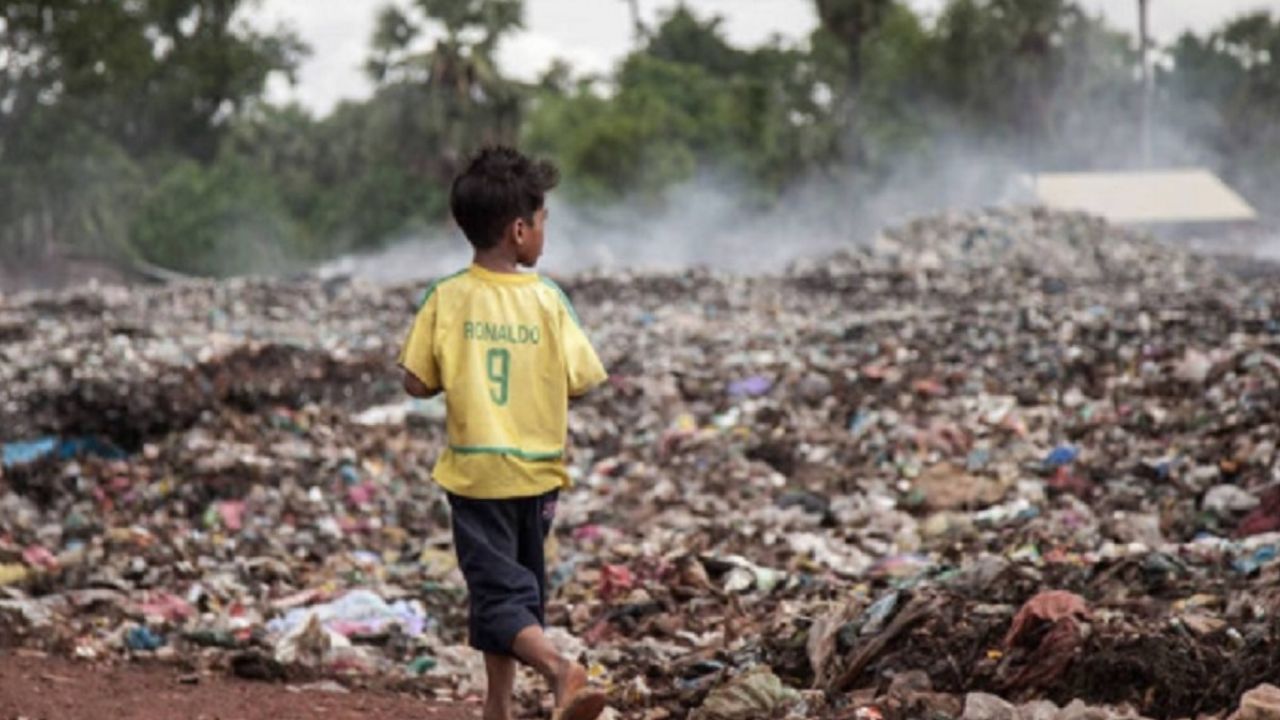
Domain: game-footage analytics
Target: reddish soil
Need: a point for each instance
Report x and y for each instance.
(41, 688)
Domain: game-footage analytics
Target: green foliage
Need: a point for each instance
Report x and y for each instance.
(885, 112)
(160, 73)
(389, 161)
(221, 219)
(95, 90)
(684, 39)
(1231, 81)
(849, 24)
(493, 18)
(687, 104)
(1043, 73)
(62, 186)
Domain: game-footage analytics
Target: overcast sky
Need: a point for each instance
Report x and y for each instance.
(592, 34)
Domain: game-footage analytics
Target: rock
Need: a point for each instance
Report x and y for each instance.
(1038, 710)
(1260, 703)
(982, 706)
(1079, 710)
(814, 388)
(946, 487)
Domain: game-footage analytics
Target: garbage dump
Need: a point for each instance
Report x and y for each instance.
(996, 464)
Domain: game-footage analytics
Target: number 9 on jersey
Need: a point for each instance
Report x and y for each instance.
(499, 365)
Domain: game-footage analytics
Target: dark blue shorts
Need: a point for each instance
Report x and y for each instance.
(499, 545)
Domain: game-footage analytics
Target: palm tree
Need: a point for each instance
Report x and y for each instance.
(851, 22)
(637, 25)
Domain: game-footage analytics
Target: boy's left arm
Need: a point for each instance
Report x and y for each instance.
(417, 388)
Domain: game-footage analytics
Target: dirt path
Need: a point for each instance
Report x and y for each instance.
(34, 688)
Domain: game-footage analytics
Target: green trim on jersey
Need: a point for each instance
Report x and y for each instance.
(437, 283)
(513, 452)
(563, 298)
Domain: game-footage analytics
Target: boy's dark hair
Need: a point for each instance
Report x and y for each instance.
(498, 186)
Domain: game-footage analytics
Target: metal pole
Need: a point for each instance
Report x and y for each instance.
(1148, 78)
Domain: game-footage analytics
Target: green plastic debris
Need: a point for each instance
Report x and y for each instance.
(422, 664)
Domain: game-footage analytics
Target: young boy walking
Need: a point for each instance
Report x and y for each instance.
(506, 348)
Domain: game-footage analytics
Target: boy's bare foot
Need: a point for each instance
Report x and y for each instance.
(574, 700)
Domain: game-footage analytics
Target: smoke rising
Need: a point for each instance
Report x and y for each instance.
(710, 221)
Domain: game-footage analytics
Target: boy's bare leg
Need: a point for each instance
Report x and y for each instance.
(568, 679)
(501, 671)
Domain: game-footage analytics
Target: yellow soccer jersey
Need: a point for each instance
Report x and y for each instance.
(508, 352)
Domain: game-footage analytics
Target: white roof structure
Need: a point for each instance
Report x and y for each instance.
(1151, 197)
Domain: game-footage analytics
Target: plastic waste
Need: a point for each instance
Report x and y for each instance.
(358, 613)
(967, 409)
(140, 637)
(755, 693)
(754, 386)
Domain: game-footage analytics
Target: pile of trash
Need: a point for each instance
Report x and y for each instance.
(1003, 464)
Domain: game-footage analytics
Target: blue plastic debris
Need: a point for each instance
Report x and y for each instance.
(977, 460)
(350, 474)
(26, 452)
(876, 616)
(1250, 564)
(1061, 455)
(754, 386)
(141, 637)
(1163, 469)
(563, 573)
(76, 447)
(862, 421)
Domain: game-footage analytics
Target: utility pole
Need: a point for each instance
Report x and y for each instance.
(1148, 78)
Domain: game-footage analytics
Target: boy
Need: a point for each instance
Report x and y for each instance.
(506, 348)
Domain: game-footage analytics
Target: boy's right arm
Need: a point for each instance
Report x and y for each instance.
(418, 356)
(582, 365)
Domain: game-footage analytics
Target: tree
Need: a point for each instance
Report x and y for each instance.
(222, 219)
(107, 88)
(160, 73)
(687, 103)
(1036, 72)
(138, 128)
(1227, 86)
(431, 108)
(850, 23)
(683, 38)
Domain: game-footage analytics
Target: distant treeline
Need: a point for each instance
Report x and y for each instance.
(139, 130)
